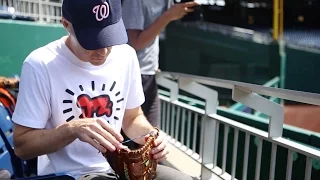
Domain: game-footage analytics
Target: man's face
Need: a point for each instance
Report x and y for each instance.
(95, 57)
(98, 57)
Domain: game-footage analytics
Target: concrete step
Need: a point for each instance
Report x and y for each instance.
(183, 160)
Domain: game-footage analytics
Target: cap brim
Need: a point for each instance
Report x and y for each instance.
(98, 38)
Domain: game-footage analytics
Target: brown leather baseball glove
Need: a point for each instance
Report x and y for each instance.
(134, 164)
(9, 83)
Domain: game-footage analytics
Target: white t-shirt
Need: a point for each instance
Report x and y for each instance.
(53, 79)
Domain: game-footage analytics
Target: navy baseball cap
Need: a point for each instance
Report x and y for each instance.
(97, 23)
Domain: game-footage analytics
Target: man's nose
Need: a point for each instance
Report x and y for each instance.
(102, 51)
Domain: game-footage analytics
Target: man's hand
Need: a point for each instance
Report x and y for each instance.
(97, 132)
(160, 150)
(179, 10)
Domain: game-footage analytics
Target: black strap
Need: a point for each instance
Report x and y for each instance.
(17, 163)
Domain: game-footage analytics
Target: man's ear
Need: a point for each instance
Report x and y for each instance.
(66, 24)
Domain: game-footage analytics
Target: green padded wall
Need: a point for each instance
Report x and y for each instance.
(19, 38)
(192, 49)
(302, 69)
(198, 51)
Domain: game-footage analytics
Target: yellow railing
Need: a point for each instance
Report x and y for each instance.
(277, 19)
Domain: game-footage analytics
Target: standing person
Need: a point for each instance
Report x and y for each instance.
(144, 21)
(77, 92)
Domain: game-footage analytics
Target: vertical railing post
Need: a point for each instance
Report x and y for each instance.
(41, 15)
(174, 91)
(208, 131)
(48, 11)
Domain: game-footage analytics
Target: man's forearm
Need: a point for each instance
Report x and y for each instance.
(149, 34)
(138, 127)
(45, 141)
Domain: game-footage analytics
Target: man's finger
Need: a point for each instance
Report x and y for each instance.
(161, 154)
(123, 147)
(158, 148)
(191, 4)
(98, 129)
(159, 140)
(110, 129)
(102, 141)
(93, 143)
(189, 10)
(162, 159)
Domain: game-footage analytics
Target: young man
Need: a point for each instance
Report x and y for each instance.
(144, 21)
(77, 92)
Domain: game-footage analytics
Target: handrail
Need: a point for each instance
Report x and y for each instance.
(298, 96)
(274, 82)
(183, 121)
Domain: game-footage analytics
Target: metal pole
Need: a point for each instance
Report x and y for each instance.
(275, 19)
(281, 14)
(282, 49)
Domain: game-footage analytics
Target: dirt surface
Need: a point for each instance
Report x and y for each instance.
(303, 116)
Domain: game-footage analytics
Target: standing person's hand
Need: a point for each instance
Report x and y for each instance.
(179, 10)
(97, 132)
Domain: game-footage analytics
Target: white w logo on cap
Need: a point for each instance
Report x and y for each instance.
(101, 11)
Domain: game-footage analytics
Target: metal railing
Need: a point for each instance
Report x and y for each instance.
(39, 10)
(208, 137)
(274, 82)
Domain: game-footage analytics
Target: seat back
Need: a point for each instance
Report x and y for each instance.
(6, 127)
(6, 124)
(5, 159)
(8, 98)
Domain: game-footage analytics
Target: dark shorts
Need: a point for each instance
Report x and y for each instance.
(163, 173)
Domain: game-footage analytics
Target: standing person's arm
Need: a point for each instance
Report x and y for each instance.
(133, 17)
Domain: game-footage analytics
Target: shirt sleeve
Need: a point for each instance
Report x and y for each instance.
(33, 102)
(136, 95)
(132, 14)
